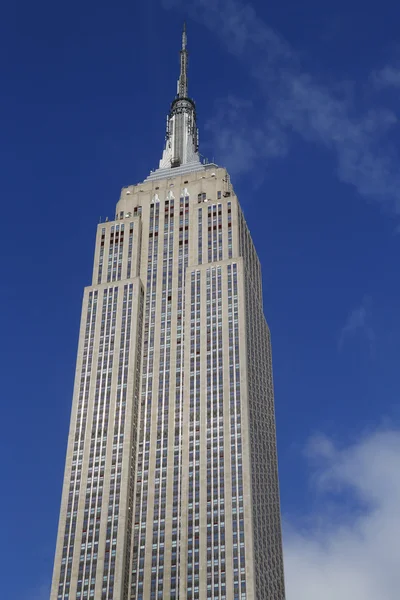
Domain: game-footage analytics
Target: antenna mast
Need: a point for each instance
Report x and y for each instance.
(183, 80)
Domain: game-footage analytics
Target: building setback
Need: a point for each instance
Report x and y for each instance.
(171, 483)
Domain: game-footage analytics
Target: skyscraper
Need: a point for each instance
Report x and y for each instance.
(171, 484)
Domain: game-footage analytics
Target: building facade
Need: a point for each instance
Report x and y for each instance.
(171, 483)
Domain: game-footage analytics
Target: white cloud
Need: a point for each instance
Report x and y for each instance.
(358, 323)
(295, 101)
(352, 552)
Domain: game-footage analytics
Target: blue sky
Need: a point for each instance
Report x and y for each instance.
(300, 101)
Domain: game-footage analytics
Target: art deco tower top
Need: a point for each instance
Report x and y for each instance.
(181, 143)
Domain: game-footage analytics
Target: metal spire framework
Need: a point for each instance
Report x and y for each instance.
(183, 81)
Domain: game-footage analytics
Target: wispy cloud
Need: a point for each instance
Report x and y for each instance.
(40, 593)
(243, 146)
(358, 323)
(352, 551)
(293, 101)
(389, 76)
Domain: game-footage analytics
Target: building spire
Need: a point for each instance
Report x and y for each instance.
(181, 146)
(184, 37)
(183, 80)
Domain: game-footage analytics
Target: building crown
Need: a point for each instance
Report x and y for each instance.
(181, 143)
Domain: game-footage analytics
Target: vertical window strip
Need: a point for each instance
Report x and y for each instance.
(214, 233)
(209, 233)
(101, 255)
(191, 435)
(216, 567)
(115, 254)
(200, 236)
(79, 440)
(193, 536)
(117, 448)
(219, 230)
(221, 460)
(118, 252)
(174, 583)
(121, 252)
(110, 254)
(214, 227)
(145, 418)
(210, 501)
(95, 475)
(236, 438)
(229, 229)
(157, 577)
(129, 525)
(197, 446)
(130, 245)
(240, 227)
(183, 256)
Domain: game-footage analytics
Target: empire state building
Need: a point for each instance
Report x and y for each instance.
(171, 484)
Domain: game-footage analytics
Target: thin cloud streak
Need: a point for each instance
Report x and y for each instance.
(358, 324)
(295, 102)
